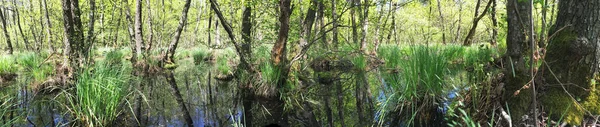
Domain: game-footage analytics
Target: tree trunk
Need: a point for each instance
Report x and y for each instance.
(246, 89)
(279, 59)
(471, 34)
(18, 18)
(49, 30)
(494, 23)
(150, 32)
(139, 41)
(8, 43)
(365, 26)
(516, 41)
(442, 22)
(175, 41)
(41, 22)
(335, 24)
(130, 28)
(90, 36)
(572, 60)
(74, 45)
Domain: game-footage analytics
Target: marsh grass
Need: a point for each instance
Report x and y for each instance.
(33, 64)
(7, 64)
(416, 74)
(200, 55)
(100, 90)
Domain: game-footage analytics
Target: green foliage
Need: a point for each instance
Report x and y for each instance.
(199, 55)
(223, 66)
(270, 74)
(100, 91)
(360, 62)
(29, 60)
(7, 64)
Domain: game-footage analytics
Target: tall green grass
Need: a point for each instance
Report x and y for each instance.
(32, 64)
(7, 64)
(416, 74)
(99, 91)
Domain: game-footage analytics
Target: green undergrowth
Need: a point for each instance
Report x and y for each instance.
(100, 89)
(422, 76)
(7, 64)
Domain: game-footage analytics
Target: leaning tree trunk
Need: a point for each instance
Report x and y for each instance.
(516, 41)
(572, 61)
(169, 57)
(9, 44)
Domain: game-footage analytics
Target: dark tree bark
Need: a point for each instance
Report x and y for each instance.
(74, 45)
(494, 23)
(279, 59)
(519, 26)
(247, 90)
(18, 18)
(572, 59)
(339, 87)
(335, 24)
(90, 36)
(471, 34)
(6, 35)
(243, 62)
(41, 22)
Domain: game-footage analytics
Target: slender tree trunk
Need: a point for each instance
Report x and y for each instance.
(49, 30)
(175, 41)
(18, 18)
(458, 30)
(41, 22)
(139, 39)
(130, 28)
(340, 96)
(6, 35)
(335, 24)
(247, 90)
(439, 4)
(471, 34)
(91, 36)
(494, 23)
(365, 26)
(543, 33)
(150, 32)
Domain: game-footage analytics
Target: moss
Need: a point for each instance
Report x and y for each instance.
(592, 102)
(575, 71)
(557, 102)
